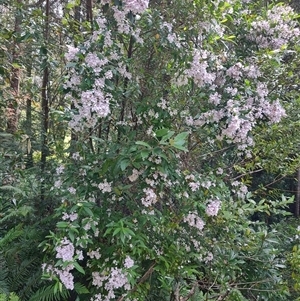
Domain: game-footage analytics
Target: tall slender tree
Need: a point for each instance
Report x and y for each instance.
(12, 110)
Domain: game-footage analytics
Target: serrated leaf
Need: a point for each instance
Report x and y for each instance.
(70, 65)
(128, 232)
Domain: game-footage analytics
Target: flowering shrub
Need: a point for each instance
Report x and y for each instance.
(162, 100)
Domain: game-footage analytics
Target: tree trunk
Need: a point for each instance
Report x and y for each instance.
(45, 100)
(297, 202)
(29, 158)
(12, 109)
(89, 11)
(76, 30)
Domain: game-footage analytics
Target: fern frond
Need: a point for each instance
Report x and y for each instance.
(31, 285)
(12, 188)
(4, 288)
(11, 235)
(21, 273)
(80, 288)
(47, 294)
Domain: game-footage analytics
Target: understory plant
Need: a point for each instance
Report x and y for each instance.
(163, 100)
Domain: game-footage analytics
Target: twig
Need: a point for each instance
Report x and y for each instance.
(190, 294)
(222, 297)
(143, 279)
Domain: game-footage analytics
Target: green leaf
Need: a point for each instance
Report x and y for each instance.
(143, 143)
(88, 211)
(124, 164)
(70, 5)
(71, 235)
(161, 132)
(116, 231)
(137, 165)
(62, 225)
(167, 136)
(80, 288)
(180, 147)
(78, 267)
(128, 232)
(181, 138)
(12, 188)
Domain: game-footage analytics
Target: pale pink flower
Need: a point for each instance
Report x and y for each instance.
(65, 250)
(213, 207)
(105, 186)
(136, 6)
(194, 220)
(134, 176)
(128, 262)
(194, 186)
(71, 54)
(72, 190)
(150, 197)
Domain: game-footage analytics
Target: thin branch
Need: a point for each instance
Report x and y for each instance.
(191, 292)
(142, 280)
(222, 297)
(247, 174)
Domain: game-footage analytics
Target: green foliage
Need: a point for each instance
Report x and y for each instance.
(235, 295)
(151, 201)
(10, 297)
(4, 287)
(48, 293)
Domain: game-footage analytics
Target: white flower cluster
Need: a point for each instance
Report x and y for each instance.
(198, 70)
(105, 186)
(94, 254)
(229, 109)
(194, 221)
(110, 280)
(213, 208)
(64, 275)
(129, 263)
(136, 6)
(239, 189)
(72, 216)
(65, 250)
(150, 198)
(134, 176)
(278, 30)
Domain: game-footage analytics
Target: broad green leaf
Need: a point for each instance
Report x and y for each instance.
(124, 163)
(62, 224)
(180, 147)
(161, 132)
(78, 267)
(143, 143)
(181, 138)
(167, 136)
